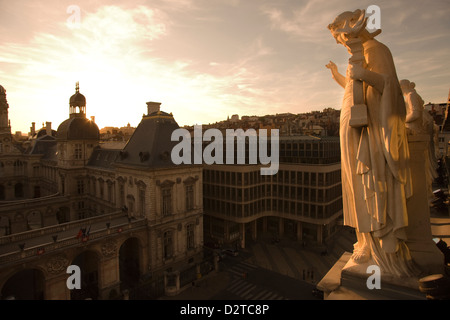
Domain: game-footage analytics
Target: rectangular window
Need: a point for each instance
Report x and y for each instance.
(166, 201)
(189, 197)
(35, 171)
(81, 211)
(142, 202)
(101, 189)
(168, 245)
(78, 151)
(122, 195)
(110, 192)
(190, 236)
(80, 186)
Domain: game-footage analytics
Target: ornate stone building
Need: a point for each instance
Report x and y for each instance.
(129, 218)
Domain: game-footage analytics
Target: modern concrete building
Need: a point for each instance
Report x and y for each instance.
(302, 201)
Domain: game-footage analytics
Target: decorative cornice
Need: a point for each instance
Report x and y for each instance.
(57, 264)
(109, 248)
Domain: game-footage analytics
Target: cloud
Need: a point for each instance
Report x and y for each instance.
(203, 60)
(306, 21)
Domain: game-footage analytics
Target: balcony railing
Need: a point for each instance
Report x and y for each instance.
(57, 228)
(32, 243)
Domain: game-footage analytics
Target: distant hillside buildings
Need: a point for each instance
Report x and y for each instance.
(318, 123)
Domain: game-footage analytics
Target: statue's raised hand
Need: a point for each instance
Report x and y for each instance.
(332, 66)
(340, 79)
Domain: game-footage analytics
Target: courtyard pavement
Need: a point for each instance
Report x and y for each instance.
(285, 259)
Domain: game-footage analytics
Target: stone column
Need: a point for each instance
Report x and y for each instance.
(319, 233)
(420, 243)
(242, 227)
(56, 287)
(254, 230)
(108, 274)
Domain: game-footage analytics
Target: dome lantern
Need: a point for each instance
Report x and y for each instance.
(77, 101)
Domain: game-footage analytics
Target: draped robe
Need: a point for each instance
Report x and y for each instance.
(376, 177)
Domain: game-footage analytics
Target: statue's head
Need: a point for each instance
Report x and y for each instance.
(407, 86)
(351, 24)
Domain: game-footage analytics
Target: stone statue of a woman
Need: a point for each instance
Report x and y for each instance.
(376, 176)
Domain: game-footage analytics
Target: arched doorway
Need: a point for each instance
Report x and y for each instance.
(88, 263)
(129, 264)
(27, 284)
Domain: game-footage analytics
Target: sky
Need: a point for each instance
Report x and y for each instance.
(204, 60)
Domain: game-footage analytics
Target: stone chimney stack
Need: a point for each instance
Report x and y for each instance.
(153, 107)
(48, 128)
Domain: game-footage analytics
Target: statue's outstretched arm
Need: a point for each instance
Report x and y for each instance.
(339, 78)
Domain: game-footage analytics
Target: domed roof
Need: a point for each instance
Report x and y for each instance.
(78, 128)
(77, 100)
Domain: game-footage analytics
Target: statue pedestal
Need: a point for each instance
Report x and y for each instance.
(424, 251)
(348, 281)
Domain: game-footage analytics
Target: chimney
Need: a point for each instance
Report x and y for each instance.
(33, 128)
(153, 107)
(48, 128)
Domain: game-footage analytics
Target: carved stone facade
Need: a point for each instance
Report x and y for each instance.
(127, 217)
